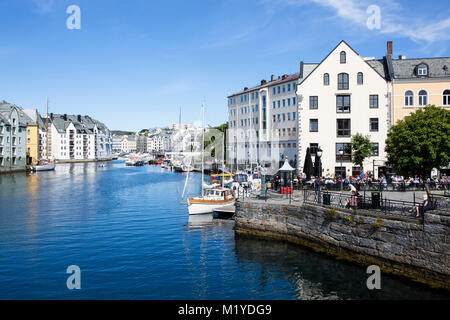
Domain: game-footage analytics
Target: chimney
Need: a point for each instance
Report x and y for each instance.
(284, 76)
(263, 82)
(51, 115)
(301, 69)
(389, 48)
(79, 118)
(272, 77)
(245, 89)
(65, 117)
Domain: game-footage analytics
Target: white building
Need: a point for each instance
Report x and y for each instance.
(262, 122)
(78, 138)
(342, 96)
(129, 144)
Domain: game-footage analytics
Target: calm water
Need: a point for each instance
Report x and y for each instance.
(127, 231)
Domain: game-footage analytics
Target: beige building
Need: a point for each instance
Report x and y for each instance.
(417, 83)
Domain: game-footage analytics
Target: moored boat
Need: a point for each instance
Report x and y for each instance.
(211, 200)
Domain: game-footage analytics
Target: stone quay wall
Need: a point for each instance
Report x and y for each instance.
(416, 249)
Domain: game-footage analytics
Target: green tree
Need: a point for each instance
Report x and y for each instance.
(361, 148)
(420, 142)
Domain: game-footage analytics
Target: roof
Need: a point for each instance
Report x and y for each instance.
(275, 82)
(5, 112)
(380, 66)
(406, 68)
(83, 124)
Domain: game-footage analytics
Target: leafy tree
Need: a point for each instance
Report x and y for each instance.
(420, 142)
(361, 148)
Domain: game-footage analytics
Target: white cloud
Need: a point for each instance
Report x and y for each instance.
(43, 6)
(395, 19)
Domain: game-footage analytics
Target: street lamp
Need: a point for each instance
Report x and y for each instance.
(319, 155)
(341, 153)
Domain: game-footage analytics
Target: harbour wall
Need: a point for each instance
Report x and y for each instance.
(416, 249)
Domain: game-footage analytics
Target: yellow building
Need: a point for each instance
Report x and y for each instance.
(417, 83)
(32, 144)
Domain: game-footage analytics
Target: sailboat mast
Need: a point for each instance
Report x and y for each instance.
(223, 160)
(203, 142)
(46, 136)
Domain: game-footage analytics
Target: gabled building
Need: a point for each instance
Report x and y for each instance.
(76, 137)
(13, 126)
(344, 95)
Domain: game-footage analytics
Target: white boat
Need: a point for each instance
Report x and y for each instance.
(44, 167)
(211, 200)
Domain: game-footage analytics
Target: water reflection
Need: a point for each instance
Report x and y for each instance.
(315, 276)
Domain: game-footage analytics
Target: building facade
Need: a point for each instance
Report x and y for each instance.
(13, 125)
(263, 122)
(78, 137)
(344, 95)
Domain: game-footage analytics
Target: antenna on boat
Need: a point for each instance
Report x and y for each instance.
(46, 124)
(203, 142)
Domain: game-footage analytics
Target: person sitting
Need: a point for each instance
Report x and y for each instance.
(420, 207)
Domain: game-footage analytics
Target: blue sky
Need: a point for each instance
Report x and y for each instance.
(134, 63)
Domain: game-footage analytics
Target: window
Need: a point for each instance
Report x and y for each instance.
(284, 88)
(326, 79)
(343, 104)
(293, 101)
(313, 148)
(373, 101)
(343, 57)
(279, 89)
(274, 92)
(343, 81)
(273, 103)
(314, 125)
(278, 103)
(289, 87)
(313, 102)
(347, 151)
(293, 115)
(289, 102)
(284, 103)
(343, 127)
(422, 98)
(373, 124)
(274, 118)
(360, 77)
(446, 98)
(422, 70)
(284, 117)
(375, 150)
(409, 98)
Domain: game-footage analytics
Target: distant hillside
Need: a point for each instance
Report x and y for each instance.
(122, 133)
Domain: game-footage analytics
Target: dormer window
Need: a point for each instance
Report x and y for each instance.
(422, 70)
(343, 57)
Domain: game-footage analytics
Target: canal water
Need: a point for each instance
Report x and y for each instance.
(132, 239)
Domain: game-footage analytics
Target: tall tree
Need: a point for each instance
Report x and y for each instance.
(361, 148)
(420, 142)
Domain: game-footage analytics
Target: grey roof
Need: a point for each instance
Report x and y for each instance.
(406, 68)
(83, 124)
(5, 111)
(287, 78)
(379, 66)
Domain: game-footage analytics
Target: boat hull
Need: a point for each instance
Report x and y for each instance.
(204, 208)
(45, 167)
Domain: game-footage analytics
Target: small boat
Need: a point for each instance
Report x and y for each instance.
(211, 200)
(44, 166)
